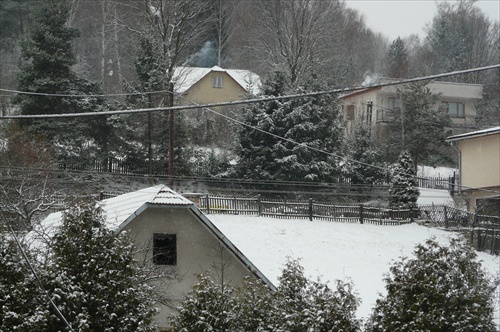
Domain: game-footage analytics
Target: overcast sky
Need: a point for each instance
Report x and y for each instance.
(395, 18)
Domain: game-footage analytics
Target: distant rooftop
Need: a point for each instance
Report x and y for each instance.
(186, 77)
(473, 134)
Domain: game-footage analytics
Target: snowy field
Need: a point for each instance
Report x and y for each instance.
(331, 251)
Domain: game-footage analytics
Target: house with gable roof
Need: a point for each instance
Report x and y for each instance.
(373, 105)
(172, 232)
(213, 85)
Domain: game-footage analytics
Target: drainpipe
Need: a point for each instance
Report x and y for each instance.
(459, 167)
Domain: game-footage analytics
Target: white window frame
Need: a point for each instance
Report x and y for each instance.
(458, 106)
(217, 82)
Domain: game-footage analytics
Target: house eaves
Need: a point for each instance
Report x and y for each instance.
(232, 248)
(474, 134)
(167, 197)
(359, 92)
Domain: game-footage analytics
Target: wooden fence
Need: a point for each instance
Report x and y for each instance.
(309, 209)
(483, 231)
(201, 170)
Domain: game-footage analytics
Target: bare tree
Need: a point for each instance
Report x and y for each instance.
(26, 194)
(293, 34)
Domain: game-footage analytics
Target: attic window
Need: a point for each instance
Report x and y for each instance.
(164, 249)
(217, 82)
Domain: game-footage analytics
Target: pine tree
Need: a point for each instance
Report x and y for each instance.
(364, 157)
(442, 289)
(94, 271)
(417, 126)
(309, 125)
(403, 191)
(398, 59)
(147, 133)
(48, 57)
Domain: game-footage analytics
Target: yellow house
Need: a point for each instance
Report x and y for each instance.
(374, 104)
(172, 236)
(195, 85)
(479, 158)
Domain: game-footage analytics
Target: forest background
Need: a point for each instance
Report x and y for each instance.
(121, 47)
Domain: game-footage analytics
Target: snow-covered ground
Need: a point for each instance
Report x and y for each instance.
(435, 172)
(435, 196)
(331, 251)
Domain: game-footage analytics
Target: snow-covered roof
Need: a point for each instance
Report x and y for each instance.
(121, 210)
(186, 77)
(473, 134)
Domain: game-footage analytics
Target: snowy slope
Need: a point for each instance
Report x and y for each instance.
(330, 250)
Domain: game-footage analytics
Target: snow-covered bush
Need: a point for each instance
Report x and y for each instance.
(442, 289)
(209, 306)
(297, 305)
(300, 304)
(17, 291)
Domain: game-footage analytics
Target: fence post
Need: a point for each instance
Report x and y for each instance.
(101, 196)
(234, 205)
(493, 240)
(411, 213)
(208, 204)
(361, 213)
(445, 216)
(452, 185)
(259, 205)
(310, 209)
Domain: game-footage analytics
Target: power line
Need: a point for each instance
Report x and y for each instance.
(309, 147)
(247, 101)
(80, 95)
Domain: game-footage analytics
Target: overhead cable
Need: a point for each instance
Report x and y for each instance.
(246, 101)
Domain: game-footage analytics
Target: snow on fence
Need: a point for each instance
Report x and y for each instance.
(140, 167)
(483, 231)
(308, 209)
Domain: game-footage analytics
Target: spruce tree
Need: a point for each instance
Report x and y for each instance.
(443, 288)
(47, 73)
(363, 166)
(147, 133)
(100, 289)
(290, 136)
(403, 191)
(417, 126)
(398, 59)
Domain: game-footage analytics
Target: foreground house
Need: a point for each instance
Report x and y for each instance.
(373, 105)
(479, 167)
(170, 232)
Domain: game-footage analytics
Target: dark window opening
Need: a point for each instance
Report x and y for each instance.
(350, 113)
(164, 249)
